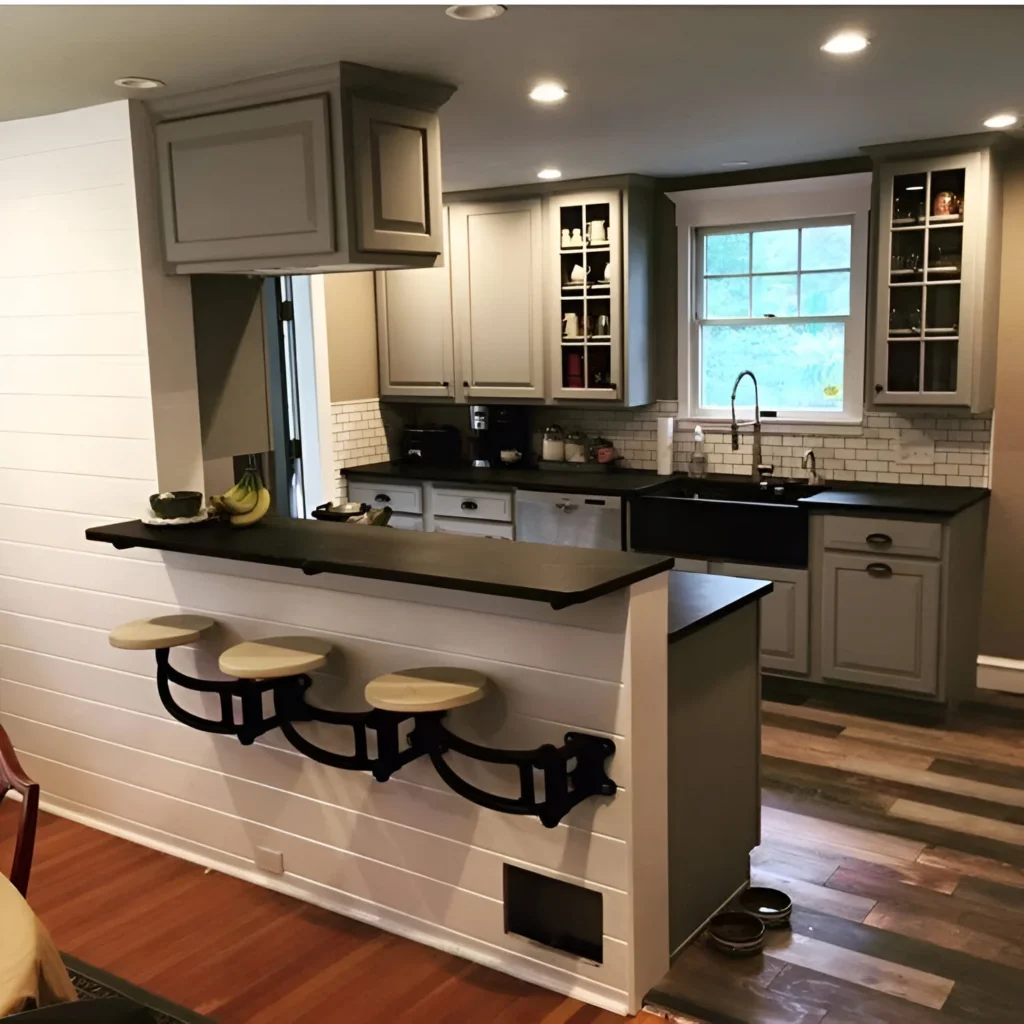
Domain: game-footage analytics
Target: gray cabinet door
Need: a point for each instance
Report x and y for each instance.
(414, 333)
(248, 182)
(497, 307)
(396, 155)
(785, 614)
(880, 621)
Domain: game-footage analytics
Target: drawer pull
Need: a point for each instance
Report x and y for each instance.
(470, 506)
(879, 540)
(879, 570)
(386, 498)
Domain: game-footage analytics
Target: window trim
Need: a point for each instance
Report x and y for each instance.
(778, 202)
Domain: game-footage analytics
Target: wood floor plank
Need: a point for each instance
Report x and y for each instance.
(782, 743)
(972, 865)
(938, 742)
(834, 901)
(849, 1003)
(857, 842)
(791, 860)
(859, 968)
(881, 881)
(1011, 778)
(957, 821)
(794, 723)
(991, 894)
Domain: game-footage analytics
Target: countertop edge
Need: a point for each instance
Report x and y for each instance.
(312, 567)
(834, 503)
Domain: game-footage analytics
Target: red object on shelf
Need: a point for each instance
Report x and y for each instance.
(573, 370)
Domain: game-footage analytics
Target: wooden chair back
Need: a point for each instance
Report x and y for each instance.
(12, 776)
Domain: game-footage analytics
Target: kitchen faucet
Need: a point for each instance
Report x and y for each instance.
(809, 461)
(757, 470)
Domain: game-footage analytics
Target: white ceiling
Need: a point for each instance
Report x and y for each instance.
(657, 90)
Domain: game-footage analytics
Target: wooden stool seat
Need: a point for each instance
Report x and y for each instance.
(161, 632)
(275, 657)
(419, 690)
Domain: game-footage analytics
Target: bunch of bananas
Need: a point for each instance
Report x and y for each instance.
(246, 503)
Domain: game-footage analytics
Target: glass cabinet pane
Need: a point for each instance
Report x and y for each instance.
(943, 309)
(940, 359)
(946, 196)
(909, 199)
(904, 366)
(945, 252)
(905, 311)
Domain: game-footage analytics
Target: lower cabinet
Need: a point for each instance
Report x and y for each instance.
(403, 521)
(880, 621)
(785, 614)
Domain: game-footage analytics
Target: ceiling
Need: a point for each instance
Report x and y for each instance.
(656, 90)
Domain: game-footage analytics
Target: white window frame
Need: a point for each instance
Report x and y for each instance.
(758, 206)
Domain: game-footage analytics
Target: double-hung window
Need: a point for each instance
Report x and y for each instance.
(783, 297)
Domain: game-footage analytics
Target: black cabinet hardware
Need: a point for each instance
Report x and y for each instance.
(879, 540)
(879, 570)
(386, 498)
(470, 506)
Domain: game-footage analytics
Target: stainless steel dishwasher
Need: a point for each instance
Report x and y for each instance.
(573, 520)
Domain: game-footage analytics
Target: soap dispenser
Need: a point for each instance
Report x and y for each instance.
(699, 460)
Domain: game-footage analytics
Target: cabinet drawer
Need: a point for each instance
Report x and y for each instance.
(403, 521)
(470, 504)
(497, 531)
(378, 493)
(884, 536)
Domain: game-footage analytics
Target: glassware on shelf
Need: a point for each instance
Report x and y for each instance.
(571, 325)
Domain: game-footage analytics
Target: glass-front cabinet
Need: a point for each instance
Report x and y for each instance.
(937, 257)
(585, 239)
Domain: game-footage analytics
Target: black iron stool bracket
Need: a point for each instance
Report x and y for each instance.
(564, 787)
(291, 706)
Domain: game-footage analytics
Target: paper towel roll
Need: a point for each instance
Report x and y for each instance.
(666, 431)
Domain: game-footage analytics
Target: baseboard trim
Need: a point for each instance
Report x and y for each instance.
(417, 930)
(1005, 674)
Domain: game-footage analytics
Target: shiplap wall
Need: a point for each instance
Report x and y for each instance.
(77, 448)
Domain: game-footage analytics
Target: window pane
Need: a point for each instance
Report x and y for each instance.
(826, 248)
(798, 366)
(775, 295)
(727, 298)
(727, 254)
(825, 294)
(776, 251)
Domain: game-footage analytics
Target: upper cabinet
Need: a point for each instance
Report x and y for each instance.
(542, 299)
(414, 333)
(497, 282)
(938, 238)
(326, 169)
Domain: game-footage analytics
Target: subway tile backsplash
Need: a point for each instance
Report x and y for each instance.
(358, 438)
(933, 447)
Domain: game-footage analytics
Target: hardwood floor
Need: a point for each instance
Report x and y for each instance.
(902, 847)
(245, 955)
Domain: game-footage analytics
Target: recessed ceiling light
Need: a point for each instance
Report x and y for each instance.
(846, 42)
(548, 92)
(135, 82)
(475, 12)
(1001, 121)
(549, 173)
(736, 163)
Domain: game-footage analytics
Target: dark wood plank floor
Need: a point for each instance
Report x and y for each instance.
(902, 847)
(245, 955)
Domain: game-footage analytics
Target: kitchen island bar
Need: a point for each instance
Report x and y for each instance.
(608, 645)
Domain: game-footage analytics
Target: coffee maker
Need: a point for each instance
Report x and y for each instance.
(497, 429)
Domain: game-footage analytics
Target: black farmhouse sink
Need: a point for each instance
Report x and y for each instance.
(730, 519)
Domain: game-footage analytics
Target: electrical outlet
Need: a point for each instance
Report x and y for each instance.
(271, 861)
(916, 447)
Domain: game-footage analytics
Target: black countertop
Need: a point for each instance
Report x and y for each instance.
(618, 482)
(838, 497)
(879, 498)
(697, 599)
(561, 576)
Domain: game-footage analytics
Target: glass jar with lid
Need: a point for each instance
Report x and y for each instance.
(553, 447)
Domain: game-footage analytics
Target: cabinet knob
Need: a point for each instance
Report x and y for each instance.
(879, 540)
(879, 570)
(465, 383)
(470, 506)
(878, 389)
(386, 498)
